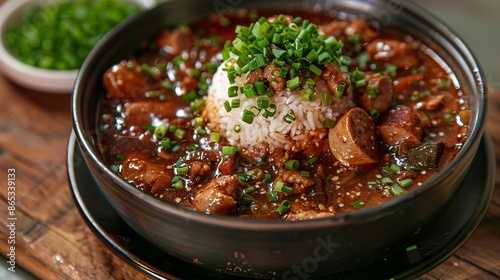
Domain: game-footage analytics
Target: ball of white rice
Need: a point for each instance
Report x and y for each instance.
(306, 130)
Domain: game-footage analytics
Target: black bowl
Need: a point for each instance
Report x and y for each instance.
(277, 248)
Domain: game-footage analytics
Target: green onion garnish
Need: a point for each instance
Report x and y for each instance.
(273, 196)
(357, 204)
(292, 164)
(160, 131)
(247, 116)
(232, 91)
(182, 170)
(283, 207)
(406, 183)
(328, 123)
(397, 190)
(228, 150)
(313, 160)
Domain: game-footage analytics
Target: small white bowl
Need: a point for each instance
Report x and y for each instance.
(43, 80)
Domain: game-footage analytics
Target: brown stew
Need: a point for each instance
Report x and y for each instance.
(409, 121)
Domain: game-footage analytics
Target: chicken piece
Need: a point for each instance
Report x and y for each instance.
(143, 112)
(333, 76)
(400, 124)
(175, 41)
(272, 74)
(146, 175)
(381, 97)
(353, 141)
(300, 183)
(199, 168)
(217, 196)
(393, 52)
(125, 81)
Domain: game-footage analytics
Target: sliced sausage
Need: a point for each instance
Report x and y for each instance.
(381, 98)
(393, 52)
(400, 124)
(353, 141)
(217, 196)
(146, 175)
(125, 81)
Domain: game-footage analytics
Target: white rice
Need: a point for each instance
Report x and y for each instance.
(307, 129)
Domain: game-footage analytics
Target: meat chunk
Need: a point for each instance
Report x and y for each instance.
(217, 196)
(146, 175)
(272, 74)
(393, 52)
(125, 81)
(143, 112)
(345, 29)
(333, 76)
(308, 214)
(353, 141)
(377, 95)
(403, 85)
(400, 124)
(199, 168)
(254, 76)
(300, 183)
(175, 41)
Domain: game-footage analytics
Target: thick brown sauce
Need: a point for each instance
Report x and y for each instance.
(336, 189)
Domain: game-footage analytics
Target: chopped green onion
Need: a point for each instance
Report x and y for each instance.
(201, 131)
(232, 91)
(172, 128)
(180, 133)
(273, 196)
(374, 113)
(325, 98)
(235, 103)
(214, 136)
(328, 123)
(192, 148)
(293, 83)
(198, 121)
(227, 106)
(292, 164)
(304, 173)
(249, 91)
(228, 150)
(406, 183)
(182, 170)
(386, 180)
(178, 185)
(247, 116)
(237, 128)
(290, 117)
(263, 102)
(307, 95)
(412, 168)
(340, 89)
(244, 200)
(313, 160)
(397, 190)
(283, 207)
(357, 204)
(160, 130)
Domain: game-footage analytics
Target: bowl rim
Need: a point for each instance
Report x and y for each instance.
(365, 214)
(55, 81)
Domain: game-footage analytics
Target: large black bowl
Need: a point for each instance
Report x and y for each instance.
(293, 250)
